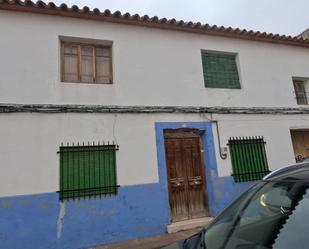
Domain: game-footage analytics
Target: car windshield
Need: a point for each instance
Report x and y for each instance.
(269, 215)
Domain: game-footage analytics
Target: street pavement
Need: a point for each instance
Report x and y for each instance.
(151, 242)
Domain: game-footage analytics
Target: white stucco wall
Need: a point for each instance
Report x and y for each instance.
(149, 65)
(29, 144)
(274, 128)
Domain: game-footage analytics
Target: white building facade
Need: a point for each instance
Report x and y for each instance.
(169, 143)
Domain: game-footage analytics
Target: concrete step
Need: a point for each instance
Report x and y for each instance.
(188, 224)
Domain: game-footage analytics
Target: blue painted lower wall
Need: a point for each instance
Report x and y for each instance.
(41, 221)
(223, 192)
(38, 221)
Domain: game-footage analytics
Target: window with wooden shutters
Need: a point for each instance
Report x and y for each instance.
(87, 170)
(300, 92)
(220, 70)
(248, 156)
(300, 140)
(86, 63)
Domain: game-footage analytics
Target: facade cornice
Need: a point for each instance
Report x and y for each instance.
(55, 108)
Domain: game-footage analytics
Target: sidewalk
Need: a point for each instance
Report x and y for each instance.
(151, 242)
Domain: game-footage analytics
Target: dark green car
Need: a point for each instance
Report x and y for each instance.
(273, 214)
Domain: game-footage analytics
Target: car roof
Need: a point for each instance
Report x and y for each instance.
(298, 171)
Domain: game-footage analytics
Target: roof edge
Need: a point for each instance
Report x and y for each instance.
(74, 11)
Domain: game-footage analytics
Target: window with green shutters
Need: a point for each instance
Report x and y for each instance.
(220, 70)
(87, 171)
(248, 156)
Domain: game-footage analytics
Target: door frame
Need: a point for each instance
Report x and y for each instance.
(184, 133)
(209, 157)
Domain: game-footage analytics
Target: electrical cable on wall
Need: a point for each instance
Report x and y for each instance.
(223, 156)
(114, 125)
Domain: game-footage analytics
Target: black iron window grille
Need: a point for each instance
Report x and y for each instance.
(301, 98)
(248, 156)
(88, 170)
(300, 92)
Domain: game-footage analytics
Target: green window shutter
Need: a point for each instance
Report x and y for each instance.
(87, 171)
(220, 70)
(248, 158)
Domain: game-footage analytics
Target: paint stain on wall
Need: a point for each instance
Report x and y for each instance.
(110, 212)
(98, 211)
(60, 218)
(6, 203)
(43, 204)
(24, 203)
(3, 237)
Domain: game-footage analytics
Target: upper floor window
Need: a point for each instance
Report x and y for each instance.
(300, 91)
(220, 70)
(86, 63)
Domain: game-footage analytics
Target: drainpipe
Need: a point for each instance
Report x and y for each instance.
(222, 155)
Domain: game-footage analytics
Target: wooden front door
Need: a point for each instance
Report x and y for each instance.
(186, 180)
(300, 139)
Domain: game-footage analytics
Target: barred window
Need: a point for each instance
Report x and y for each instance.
(220, 70)
(86, 63)
(87, 170)
(300, 92)
(248, 156)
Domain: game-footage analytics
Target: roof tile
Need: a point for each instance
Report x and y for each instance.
(154, 22)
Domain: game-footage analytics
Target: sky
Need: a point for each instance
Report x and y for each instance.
(289, 17)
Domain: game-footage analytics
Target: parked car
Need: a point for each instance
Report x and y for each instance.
(274, 213)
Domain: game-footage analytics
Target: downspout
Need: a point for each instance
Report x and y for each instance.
(222, 156)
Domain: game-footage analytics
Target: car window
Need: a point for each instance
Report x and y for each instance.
(294, 233)
(267, 203)
(255, 222)
(217, 233)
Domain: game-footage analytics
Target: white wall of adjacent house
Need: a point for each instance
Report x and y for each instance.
(29, 144)
(148, 65)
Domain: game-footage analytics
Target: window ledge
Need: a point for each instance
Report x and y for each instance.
(86, 83)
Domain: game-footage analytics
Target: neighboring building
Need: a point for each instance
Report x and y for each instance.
(304, 35)
(115, 126)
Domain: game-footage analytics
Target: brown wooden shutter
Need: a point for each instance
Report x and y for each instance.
(103, 65)
(70, 63)
(87, 64)
(300, 139)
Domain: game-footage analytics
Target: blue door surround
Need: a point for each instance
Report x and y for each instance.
(221, 190)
